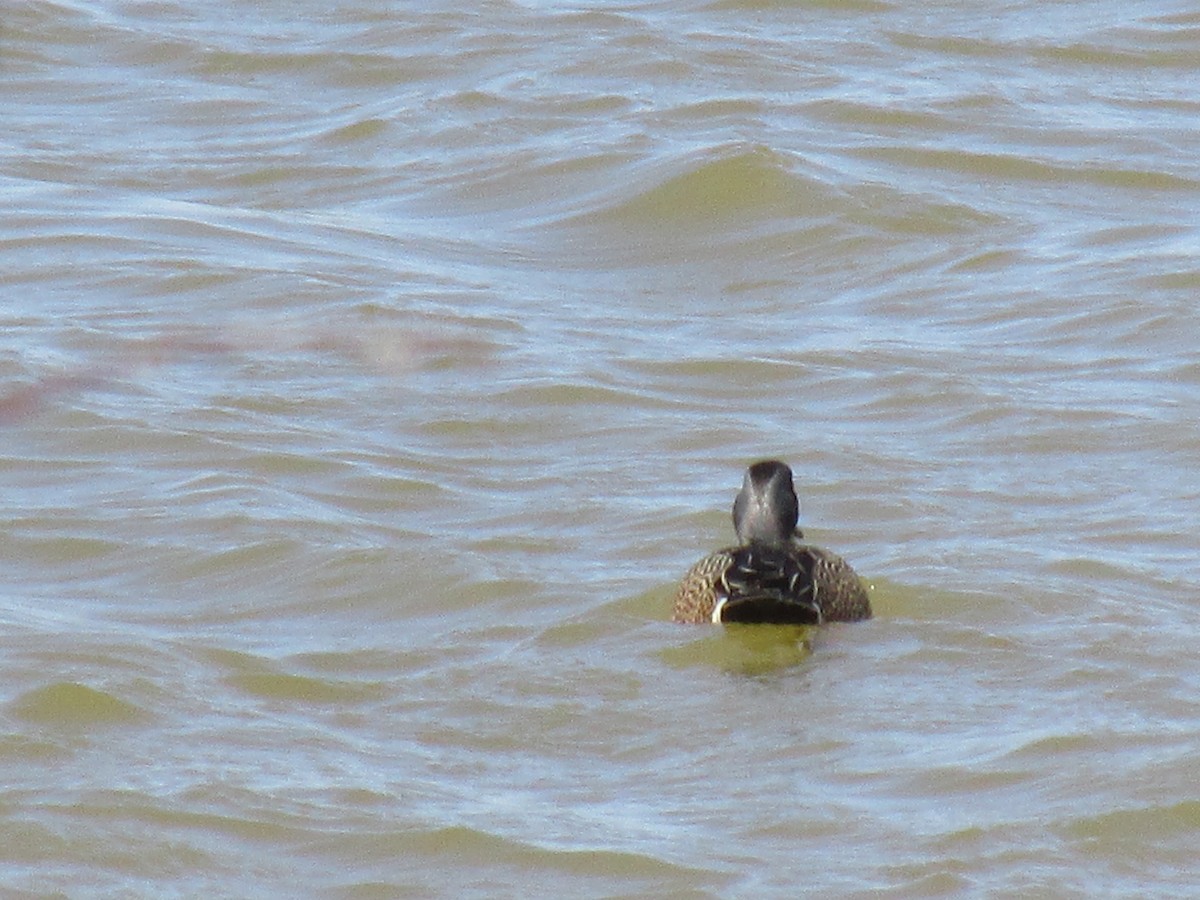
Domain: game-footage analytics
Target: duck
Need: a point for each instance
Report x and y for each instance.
(772, 576)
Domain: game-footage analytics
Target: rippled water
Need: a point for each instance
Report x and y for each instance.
(370, 374)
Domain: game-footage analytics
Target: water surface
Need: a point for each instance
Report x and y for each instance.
(369, 375)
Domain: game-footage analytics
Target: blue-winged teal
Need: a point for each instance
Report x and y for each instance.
(772, 576)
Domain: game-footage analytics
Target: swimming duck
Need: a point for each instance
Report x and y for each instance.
(772, 576)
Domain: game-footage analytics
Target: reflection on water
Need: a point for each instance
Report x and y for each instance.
(744, 649)
(389, 350)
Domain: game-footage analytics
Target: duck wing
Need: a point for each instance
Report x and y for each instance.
(767, 585)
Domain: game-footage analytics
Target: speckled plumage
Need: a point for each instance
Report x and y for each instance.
(772, 576)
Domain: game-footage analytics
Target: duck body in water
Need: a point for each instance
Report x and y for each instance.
(772, 576)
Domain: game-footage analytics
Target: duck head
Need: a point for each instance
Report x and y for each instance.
(766, 509)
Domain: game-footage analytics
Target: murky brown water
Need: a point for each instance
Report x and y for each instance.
(369, 375)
